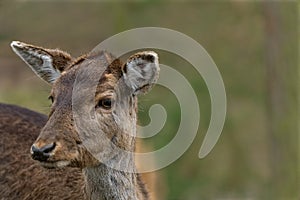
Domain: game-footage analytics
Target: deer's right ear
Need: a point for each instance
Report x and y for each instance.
(46, 63)
(141, 71)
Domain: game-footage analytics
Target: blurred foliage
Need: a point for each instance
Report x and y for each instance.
(233, 33)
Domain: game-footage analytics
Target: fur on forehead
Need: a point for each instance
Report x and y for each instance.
(114, 64)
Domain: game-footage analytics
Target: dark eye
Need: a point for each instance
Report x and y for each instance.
(51, 98)
(105, 103)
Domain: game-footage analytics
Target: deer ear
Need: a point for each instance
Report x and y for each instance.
(141, 71)
(46, 63)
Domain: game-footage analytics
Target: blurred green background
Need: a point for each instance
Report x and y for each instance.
(255, 46)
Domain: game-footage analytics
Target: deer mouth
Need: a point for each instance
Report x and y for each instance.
(55, 164)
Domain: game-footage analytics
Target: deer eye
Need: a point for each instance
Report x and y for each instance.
(105, 103)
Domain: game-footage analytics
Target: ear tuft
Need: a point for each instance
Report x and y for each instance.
(46, 63)
(141, 71)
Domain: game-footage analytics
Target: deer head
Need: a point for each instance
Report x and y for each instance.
(113, 103)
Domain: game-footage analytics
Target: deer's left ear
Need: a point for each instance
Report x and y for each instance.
(141, 71)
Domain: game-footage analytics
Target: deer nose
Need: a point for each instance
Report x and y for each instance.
(42, 153)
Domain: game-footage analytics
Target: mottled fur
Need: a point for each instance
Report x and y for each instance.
(120, 83)
(20, 176)
(23, 178)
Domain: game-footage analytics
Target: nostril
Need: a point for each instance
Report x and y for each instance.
(35, 150)
(42, 154)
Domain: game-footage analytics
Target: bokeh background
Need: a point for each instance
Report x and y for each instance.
(253, 43)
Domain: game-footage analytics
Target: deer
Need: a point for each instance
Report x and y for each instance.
(62, 148)
(20, 176)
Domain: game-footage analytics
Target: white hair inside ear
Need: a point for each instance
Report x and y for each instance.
(46, 63)
(141, 71)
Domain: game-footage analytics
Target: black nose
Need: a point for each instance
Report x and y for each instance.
(43, 153)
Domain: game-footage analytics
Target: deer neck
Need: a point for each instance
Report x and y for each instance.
(103, 182)
(109, 181)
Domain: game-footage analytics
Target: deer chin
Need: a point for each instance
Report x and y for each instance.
(56, 164)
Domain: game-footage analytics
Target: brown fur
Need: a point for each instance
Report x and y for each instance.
(23, 178)
(60, 128)
(20, 176)
(101, 181)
